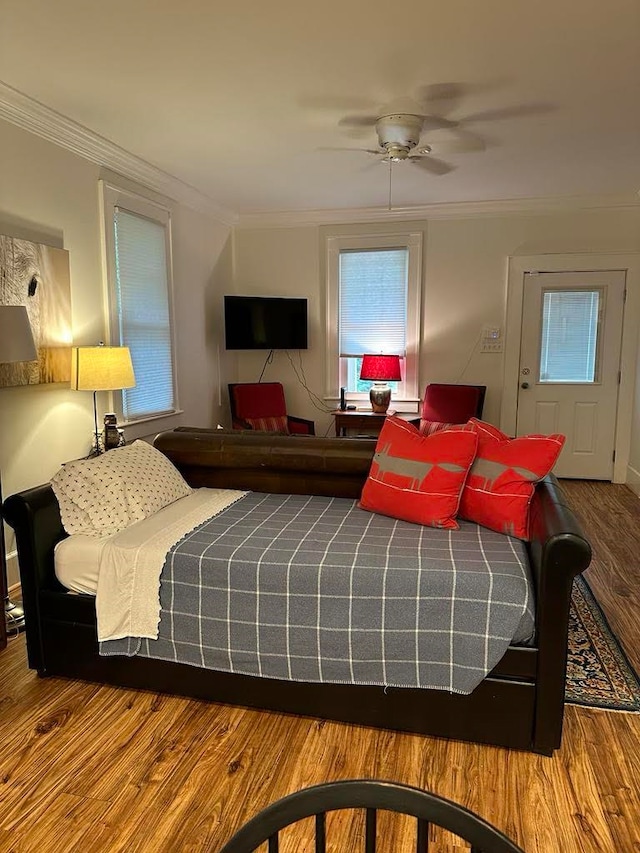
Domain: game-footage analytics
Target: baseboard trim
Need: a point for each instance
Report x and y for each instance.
(13, 572)
(633, 480)
(15, 591)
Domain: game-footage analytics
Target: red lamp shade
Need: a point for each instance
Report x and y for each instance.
(381, 368)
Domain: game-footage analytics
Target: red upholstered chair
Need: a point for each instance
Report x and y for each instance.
(450, 404)
(261, 406)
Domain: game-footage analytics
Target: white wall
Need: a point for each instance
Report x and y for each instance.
(633, 477)
(284, 262)
(50, 195)
(464, 287)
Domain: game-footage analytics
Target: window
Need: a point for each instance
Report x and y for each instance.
(571, 323)
(373, 305)
(138, 255)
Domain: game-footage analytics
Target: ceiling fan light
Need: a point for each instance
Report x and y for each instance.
(396, 152)
(399, 129)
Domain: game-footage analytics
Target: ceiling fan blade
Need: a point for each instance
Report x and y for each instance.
(436, 92)
(358, 121)
(432, 122)
(375, 151)
(371, 163)
(336, 103)
(401, 106)
(465, 143)
(453, 93)
(518, 111)
(432, 165)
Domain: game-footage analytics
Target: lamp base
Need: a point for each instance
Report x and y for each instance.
(380, 396)
(13, 617)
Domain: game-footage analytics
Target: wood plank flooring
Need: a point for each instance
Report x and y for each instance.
(103, 770)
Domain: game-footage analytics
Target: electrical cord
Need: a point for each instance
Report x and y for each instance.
(317, 402)
(471, 354)
(268, 360)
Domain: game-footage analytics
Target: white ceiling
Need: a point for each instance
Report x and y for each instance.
(239, 99)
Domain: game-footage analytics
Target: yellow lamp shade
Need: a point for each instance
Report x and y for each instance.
(101, 368)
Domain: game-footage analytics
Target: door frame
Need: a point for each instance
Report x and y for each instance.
(628, 262)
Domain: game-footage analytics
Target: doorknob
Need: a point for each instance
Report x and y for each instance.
(524, 385)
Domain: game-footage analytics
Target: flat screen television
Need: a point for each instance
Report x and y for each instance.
(265, 322)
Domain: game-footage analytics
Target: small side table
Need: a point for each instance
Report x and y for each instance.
(365, 421)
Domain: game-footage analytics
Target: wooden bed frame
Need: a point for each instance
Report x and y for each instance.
(519, 704)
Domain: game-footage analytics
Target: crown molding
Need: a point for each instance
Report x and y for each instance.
(449, 210)
(33, 116)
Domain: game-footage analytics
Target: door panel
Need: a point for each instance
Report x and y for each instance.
(585, 428)
(569, 365)
(547, 417)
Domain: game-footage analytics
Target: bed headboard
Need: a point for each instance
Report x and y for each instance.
(269, 462)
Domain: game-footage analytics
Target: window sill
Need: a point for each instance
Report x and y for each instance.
(140, 429)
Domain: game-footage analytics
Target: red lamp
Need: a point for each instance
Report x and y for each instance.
(380, 369)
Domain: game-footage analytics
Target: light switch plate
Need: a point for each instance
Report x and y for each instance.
(488, 345)
(491, 340)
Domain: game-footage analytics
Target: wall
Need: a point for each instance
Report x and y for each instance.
(464, 287)
(284, 262)
(633, 479)
(50, 195)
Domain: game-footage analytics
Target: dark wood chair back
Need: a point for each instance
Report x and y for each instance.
(372, 796)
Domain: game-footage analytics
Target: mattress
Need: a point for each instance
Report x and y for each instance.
(76, 562)
(453, 580)
(77, 558)
(316, 589)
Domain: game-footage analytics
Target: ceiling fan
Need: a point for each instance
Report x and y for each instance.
(399, 128)
(401, 123)
(399, 140)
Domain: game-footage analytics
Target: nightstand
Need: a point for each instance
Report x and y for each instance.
(364, 421)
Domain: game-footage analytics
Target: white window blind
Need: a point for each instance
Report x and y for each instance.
(373, 302)
(142, 294)
(374, 283)
(569, 339)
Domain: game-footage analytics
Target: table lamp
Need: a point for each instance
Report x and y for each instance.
(16, 344)
(380, 369)
(101, 368)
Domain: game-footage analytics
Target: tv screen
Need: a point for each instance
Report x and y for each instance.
(265, 322)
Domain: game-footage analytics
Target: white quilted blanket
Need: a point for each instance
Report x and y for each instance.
(127, 599)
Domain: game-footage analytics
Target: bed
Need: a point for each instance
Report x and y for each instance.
(519, 704)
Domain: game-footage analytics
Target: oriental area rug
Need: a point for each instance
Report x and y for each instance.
(598, 672)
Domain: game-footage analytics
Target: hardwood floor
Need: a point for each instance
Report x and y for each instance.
(103, 770)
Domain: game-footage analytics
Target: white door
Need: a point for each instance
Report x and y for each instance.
(570, 363)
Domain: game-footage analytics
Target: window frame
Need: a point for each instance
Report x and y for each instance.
(412, 241)
(113, 196)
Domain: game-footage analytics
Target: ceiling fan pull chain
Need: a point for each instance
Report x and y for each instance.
(390, 166)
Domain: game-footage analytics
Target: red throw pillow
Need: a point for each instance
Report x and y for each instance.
(429, 427)
(273, 424)
(419, 478)
(503, 477)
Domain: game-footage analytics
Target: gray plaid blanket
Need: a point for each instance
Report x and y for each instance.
(315, 589)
